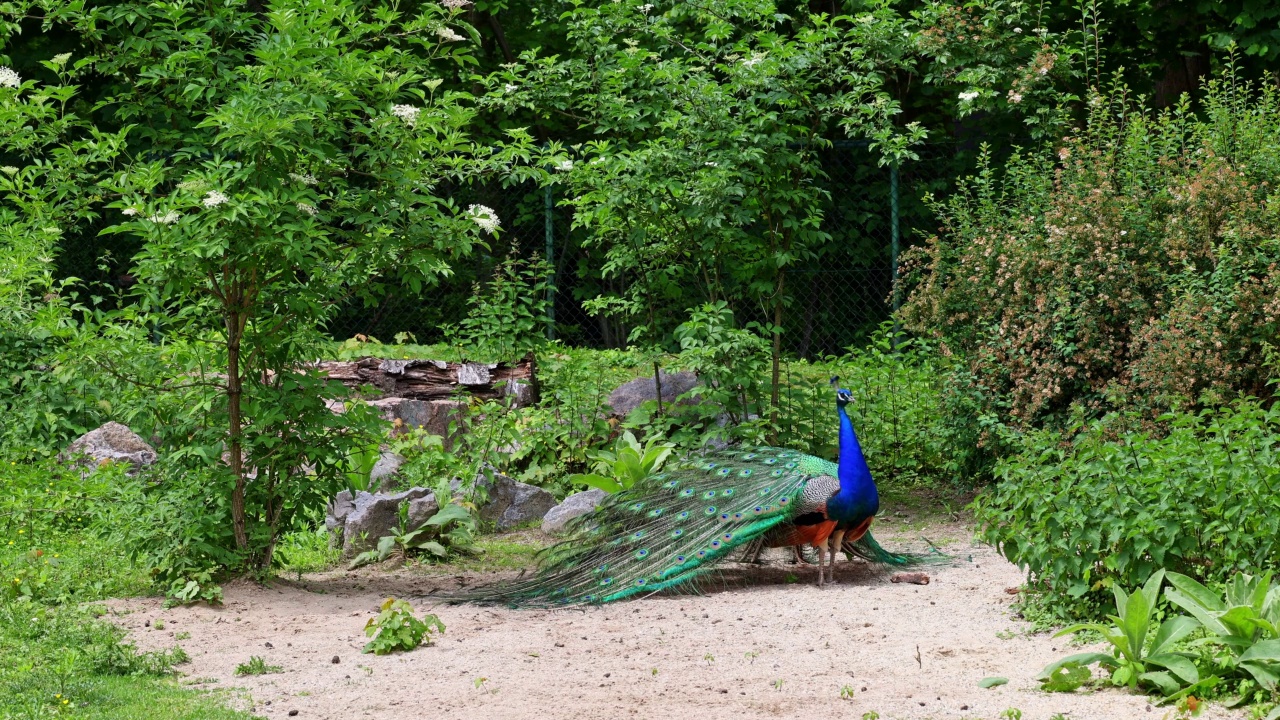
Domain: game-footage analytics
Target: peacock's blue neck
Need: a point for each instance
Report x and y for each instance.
(858, 498)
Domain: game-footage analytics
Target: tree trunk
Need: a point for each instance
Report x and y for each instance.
(235, 329)
(657, 385)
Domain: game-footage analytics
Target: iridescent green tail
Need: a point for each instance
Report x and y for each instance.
(868, 549)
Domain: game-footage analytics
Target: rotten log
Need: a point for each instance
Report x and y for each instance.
(439, 380)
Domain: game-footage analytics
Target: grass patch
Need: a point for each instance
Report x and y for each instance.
(66, 662)
(509, 551)
(305, 551)
(257, 666)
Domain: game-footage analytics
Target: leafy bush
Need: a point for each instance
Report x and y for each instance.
(629, 463)
(451, 530)
(1131, 265)
(507, 314)
(1114, 504)
(396, 628)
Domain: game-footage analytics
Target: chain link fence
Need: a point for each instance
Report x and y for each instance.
(836, 302)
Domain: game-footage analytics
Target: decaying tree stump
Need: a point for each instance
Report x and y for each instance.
(439, 380)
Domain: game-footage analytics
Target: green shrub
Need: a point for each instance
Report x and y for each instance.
(1115, 504)
(1130, 265)
(396, 628)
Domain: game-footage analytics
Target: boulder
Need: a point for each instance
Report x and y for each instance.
(510, 502)
(573, 506)
(385, 471)
(421, 509)
(628, 396)
(373, 516)
(433, 416)
(112, 442)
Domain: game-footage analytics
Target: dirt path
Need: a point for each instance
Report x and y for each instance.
(762, 648)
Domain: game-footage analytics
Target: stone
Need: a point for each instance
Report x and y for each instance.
(112, 442)
(573, 506)
(433, 416)
(386, 471)
(511, 503)
(374, 516)
(336, 516)
(421, 509)
(629, 396)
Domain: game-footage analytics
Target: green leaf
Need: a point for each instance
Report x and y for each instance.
(1192, 592)
(1087, 658)
(990, 682)
(1162, 680)
(1171, 631)
(447, 514)
(1068, 677)
(601, 482)
(1178, 665)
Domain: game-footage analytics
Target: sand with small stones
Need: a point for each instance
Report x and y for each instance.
(755, 645)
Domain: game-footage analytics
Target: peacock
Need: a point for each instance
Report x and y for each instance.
(667, 530)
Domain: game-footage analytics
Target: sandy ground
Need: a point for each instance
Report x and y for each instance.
(755, 646)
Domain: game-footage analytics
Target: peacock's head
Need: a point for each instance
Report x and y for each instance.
(843, 396)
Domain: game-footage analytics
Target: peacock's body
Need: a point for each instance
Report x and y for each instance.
(672, 527)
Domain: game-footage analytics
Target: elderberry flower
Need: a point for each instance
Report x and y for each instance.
(214, 199)
(129, 211)
(307, 208)
(509, 87)
(307, 179)
(485, 217)
(1015, 97)
(644, 9)
(408, 113)
(753, 60)
(969, 96)
(448, 35)
(564, 165)
(455, 4)
(166, 219)
(9, 170)
(61, 59)
(9, 78)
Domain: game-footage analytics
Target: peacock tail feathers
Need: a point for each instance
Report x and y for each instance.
(868, 549)
(665, 531)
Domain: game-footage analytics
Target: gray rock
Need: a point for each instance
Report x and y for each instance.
(628, 396)
(112, 442)
(374, 516)
(336, 516)
(385, 471)
(421, 509)
(573, 506)
(510, 502)
(433, 416)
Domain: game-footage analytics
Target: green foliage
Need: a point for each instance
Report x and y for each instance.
(360, 464)
(990, 682)
(396, 628)
(308, 549)
(1114, 504)
(66, 662)
(1134, 659)
(257, 666)
(1239, 642)
(450, 530)
(628, 464)
(1130, 265)
(506, 315)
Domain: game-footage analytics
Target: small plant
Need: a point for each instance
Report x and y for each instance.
(360, 464)
(479, 682)
(1133, 655)
(184, 635)
(846, 692)
(158, 625)
(871, 715)
(396, 628)
(629, 463)
(451, 528)
(1011, 714)
(777, 684)
(751, 656)
(257, 666)
(709, 658)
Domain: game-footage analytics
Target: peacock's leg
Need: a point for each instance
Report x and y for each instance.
(822, 560)
(836, 541)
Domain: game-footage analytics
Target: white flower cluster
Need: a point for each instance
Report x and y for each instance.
(509, 88)
(191, 185)
(408, 113)
(214, 199)
(307, 208)
(1015, 96)
(129, 211)
(168, 218)
(564, 165)
(455, 4)
(61, 59)
(969, 96)
(753, 61)
(485, 217)
(644, 9)
(307, 179)
(9, 170)
(9, 78)
(449, 35)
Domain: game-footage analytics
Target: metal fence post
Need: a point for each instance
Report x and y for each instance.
(547, 206)
(893, 248)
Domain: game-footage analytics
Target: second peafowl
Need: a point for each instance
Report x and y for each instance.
(666, 531)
